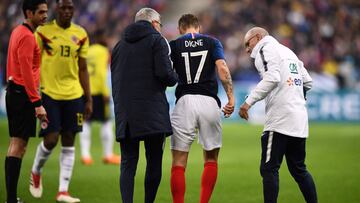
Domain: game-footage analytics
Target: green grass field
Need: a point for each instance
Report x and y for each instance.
(333, 157)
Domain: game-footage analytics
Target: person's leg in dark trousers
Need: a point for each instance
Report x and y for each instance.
(295, 159)
(154, 153)
(273, 149)
(130, 156)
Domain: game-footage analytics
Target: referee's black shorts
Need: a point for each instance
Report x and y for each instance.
(20, 112)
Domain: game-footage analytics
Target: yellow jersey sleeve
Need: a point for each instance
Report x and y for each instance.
(61, 49)
(98, 61)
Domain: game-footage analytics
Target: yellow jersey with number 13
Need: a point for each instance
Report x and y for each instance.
(60, 52)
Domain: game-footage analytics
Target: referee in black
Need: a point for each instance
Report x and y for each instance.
(23, 101)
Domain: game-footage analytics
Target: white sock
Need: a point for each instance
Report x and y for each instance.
(85, 140)
(41, 156)
(67, 158)
(107, 138)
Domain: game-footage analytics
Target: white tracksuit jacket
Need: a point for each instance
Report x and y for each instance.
(284, 79)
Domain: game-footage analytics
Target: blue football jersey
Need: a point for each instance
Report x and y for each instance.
(194, 57)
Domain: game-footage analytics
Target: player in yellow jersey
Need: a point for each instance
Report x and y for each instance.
(98, 62)
(65, 92)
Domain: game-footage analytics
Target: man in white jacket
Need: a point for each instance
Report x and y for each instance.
(283, 86)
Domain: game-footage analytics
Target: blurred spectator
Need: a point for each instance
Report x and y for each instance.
(324, 34)
(111, 15)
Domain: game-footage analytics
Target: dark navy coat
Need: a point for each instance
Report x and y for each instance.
(141, 70)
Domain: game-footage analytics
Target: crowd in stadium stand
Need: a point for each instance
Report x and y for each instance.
(324, 34)
(111, 15)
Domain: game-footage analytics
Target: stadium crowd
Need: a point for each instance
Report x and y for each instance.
(110, 15)
(324, 34)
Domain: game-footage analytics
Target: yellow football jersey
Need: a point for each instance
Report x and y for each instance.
(60, 51)
(98, 61)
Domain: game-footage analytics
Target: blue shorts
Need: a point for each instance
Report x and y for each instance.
(101, 110)
(63, 115)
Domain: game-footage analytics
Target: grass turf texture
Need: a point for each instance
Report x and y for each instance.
(333, 157)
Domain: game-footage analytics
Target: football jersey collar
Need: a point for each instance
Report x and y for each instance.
(28, 26)
(57, 25)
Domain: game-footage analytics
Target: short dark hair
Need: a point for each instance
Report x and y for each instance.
(188, 20)
(31, 5)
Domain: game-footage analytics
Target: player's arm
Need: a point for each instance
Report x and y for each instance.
(163, 65)
(225, 77)
(84, 75)
(84, 81)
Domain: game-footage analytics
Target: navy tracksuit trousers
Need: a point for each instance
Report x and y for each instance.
(274, 147)
(129, 158)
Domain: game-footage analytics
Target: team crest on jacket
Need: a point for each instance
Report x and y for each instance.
(293, 68)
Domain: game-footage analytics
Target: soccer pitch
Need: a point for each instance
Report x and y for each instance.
(333, 158)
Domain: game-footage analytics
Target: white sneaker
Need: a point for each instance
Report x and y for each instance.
(36, 188)
(66, 198)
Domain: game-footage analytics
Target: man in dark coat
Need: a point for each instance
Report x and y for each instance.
(141, 70)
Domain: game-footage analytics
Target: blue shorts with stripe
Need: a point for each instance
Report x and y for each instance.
(63, 115)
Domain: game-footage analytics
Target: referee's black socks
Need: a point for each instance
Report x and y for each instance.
(12, 172)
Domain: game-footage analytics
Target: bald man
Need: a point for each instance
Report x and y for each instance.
(284, 84)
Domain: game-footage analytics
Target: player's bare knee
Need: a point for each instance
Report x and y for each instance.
(50, 142)
(181, 163)
(179, 158)
(211, 156)
(17, 151)
(17, 147)
(67, 139)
